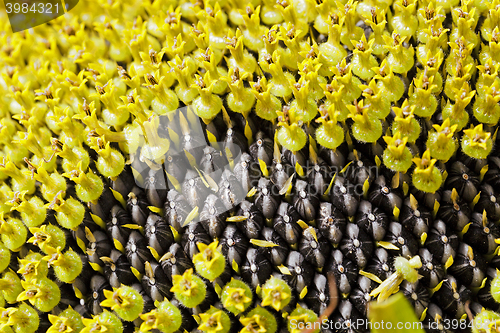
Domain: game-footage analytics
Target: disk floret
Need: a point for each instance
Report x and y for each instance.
(477, 142)
(236, 296)
(258, 319)
(275, 293)
(302, 318)
(214, 321)
(404, 270)
(366, 127)
(209, 262)
(290, 134)
(189, 289)
(104, 322)
(166, 318)
(66, 322)
(397, 156)
(125, 301)
(426, 176)
(441, 142)
(329, 134)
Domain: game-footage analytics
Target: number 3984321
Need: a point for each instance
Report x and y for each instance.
(34, 8)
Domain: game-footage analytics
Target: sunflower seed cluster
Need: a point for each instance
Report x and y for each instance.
(203, 166)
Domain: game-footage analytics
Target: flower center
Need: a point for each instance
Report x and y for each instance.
(118, 299)
(209, 255)
(185, 284)
(236, 296)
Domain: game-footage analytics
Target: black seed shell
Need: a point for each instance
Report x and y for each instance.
(473, 164)
(402, 239)
(176, 209)
(463, 180)
(360, 170)
(254, 221)
(345, 271)
(442, 242)
(213, 162)
(137, 251)
(357, 245)
(372, 220)
(417, 294)
(382, 195)
(285, 223)
(256, 269)
(318, 295)
(137, 205)
(437, 321)
(155, 186)
(484, 294)
(176, 166)
(346, 318)
(262, 148)
(193, 143)
(455, 214)
(195, 233)
(234, 245)
(276, 254)
(291, 158)
(194, 190)
(117, 271)
(331, 222)
(381, 264)
(175, 261)
(305, 201)
(319, 176)
(488, 201)
(301, 271)
(124, 182)
(235, 141)
(492, 176)
(314, 250)
(80, 232)
(266, 199)
(360, 296)
(114, 225)
(482, 237)
(336, 159)
(156, 284)
(82, 282)
(230, 191)
(427, 199)
(213, 216)
(432, 270)
(468, 266)
(452, 296)
(100, 248)
(96, 295)
(247, 171)
(416, 221)
(158, 233)
(280, 173)
(103, 205)
(344, 195)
